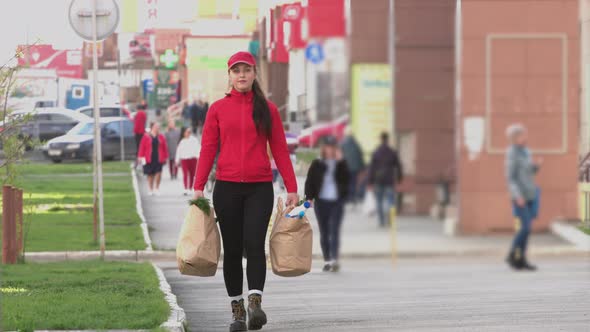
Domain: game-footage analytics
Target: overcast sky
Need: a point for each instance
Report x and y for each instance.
(43, 19)
(48, 21)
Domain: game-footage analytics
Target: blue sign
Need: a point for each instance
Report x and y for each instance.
(314, 53)
(148, 86)
(78, 96)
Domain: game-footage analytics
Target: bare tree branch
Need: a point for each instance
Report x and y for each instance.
(19, 53)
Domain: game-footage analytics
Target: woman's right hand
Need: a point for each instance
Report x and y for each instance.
(198, 194)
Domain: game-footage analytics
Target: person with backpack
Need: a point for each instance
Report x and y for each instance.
(524, 192)
(385, 172)
(239, 126)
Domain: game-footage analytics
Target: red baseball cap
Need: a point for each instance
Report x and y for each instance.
(241, 57)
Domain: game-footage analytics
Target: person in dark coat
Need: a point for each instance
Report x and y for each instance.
(353, 154)
(194, 113)
(385, 171)
(202, 109)
(326, 187)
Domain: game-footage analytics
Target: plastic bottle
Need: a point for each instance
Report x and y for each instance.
(299, 211)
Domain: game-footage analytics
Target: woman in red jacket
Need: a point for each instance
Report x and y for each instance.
(153, 154)
(240, 125)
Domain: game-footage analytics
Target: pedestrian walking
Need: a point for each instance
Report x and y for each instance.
(153, 154)
(194, 114)
(139, 121)
(353, 154)
(187, 155)
(202, 109)
(186, 114)
(172, 138)
(385, 172)
(243, 123)
(520, 173)
(327, 186)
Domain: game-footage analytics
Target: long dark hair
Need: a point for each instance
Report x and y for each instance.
(261, 113)
(182, 130)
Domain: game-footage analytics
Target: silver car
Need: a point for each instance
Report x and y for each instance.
(78, 143)
(44, 123)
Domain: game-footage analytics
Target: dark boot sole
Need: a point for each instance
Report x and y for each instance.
(256, 319)
(513, 264)
(238, 327)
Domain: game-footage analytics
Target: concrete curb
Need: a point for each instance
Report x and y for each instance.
(571, 234)
(139, 208)
(156, 255)
(90, 331)
(110, 255)
(177, 320)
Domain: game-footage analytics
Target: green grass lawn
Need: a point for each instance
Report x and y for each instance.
(585, 229)
(58, 208)
(81, 295)
(70, 168)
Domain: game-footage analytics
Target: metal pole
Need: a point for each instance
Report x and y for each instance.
(97, 132)
(121, 107)
(94, 191)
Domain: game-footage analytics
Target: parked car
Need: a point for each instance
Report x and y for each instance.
(310, 137)
(44, 123)
(106, 111)
(78, 143)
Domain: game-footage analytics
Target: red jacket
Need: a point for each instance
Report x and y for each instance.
(145, 148)
(139, 123)
(243, 153)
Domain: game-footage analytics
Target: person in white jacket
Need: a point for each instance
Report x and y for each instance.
(187, 155)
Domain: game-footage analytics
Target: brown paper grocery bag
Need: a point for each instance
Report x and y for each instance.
(290, 243)
(199, 244)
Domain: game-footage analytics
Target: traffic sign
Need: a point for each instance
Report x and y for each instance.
(107, 18)
(314, 53)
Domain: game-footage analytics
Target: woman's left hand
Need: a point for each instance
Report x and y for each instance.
(292, 199)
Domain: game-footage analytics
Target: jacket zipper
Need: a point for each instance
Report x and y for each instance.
(242, 140)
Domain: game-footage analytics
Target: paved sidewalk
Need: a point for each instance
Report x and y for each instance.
(444, 294)
(361, 237)
(464, 293)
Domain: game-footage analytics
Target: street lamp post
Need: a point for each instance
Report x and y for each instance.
(97, 133)
(121, 127)
(84, 15)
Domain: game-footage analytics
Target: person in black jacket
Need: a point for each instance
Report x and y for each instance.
(384, 172)
(327, 187)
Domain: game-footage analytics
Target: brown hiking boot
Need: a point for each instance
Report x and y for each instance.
(256, 317)
(239, 316)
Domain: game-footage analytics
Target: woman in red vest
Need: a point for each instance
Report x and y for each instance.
(241, 125)
(153, 154)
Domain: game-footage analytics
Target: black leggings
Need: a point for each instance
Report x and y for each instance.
(244, 211)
